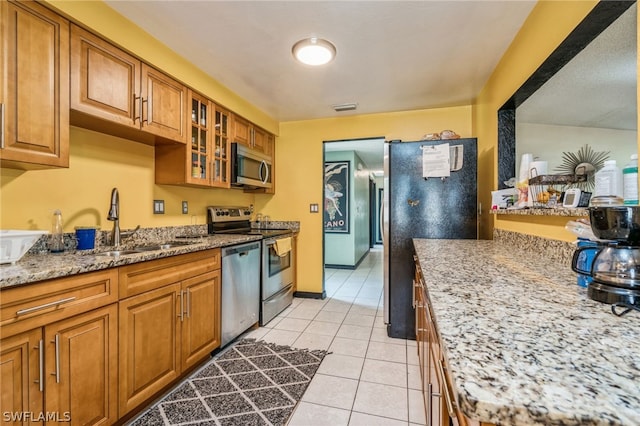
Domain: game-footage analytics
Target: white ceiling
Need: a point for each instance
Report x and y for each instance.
(597, 88)
(393, 55)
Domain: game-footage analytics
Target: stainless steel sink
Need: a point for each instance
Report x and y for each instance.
(164, 246)
(116, 253)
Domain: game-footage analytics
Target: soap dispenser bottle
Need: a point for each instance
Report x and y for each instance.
(56, 244)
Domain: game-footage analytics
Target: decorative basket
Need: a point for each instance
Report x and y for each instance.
(546, 190)
(14, 244)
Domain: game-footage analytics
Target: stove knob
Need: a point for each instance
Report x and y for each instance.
(218, 213)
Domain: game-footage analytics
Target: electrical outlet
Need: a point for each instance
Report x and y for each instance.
(313, 208)
(185, 207)
(158, 206)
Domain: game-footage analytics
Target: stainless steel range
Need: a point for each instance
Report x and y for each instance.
(277, 255)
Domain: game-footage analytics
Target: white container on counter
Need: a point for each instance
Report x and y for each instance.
(608, 180)
(630, 181)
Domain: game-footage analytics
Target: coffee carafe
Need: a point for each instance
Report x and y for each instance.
(615, 270)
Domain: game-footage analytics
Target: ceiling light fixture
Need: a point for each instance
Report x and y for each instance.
(314, 51)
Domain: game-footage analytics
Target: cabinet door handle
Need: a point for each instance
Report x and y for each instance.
(45, 306)
(1, 126)
(56, 341)
(413, 295)
(445, 390)
(429, 387)
(181, 306)
(188, 303)
(142, 114)
(40, 380)
(138, 99)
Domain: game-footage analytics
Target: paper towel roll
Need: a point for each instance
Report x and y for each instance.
(526, 160)
(523, 181)
(537, 168)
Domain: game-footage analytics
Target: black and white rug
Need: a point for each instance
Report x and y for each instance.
(250, 383)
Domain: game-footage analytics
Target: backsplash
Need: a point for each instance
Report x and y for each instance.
(554, 250)
(148, 235)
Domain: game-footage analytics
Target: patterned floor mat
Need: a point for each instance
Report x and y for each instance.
(250, 383)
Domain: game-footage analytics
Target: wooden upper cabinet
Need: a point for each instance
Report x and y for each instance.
(241, 131)
(112, 86)
(261, 140)
(105, 79)
(164, 105)
(204, 161)
(34, 94)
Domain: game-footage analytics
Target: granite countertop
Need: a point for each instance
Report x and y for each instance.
(524, 343)
(37, 267)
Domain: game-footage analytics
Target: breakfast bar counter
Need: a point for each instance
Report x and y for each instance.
(523, 343)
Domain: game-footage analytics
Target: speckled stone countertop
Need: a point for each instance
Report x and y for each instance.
(37, 267)
(524, 344)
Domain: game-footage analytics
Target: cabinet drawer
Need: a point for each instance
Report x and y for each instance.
(140, 277)
(35, 305)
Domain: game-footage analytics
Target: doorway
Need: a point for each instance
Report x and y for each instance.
(353, 172)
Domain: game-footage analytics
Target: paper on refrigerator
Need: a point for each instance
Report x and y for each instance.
(436, 160)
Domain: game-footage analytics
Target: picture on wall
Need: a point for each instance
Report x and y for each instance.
(336, 196)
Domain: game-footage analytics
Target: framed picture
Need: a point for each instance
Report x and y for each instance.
(336, 196)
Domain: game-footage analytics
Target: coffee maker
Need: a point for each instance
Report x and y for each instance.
(615, 270)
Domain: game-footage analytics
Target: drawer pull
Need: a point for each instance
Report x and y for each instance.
(45, 306)
(445, 390)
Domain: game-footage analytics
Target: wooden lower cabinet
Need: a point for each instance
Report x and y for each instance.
(441, 408)
(201, 323)
(148, 355)
(166, 331)
(66, 371)
(19, 377)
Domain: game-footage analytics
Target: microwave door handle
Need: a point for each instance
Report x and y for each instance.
(263, 165)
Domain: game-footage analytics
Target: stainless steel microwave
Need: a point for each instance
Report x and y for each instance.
(249, 167)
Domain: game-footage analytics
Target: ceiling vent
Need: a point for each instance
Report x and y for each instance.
(344, 107)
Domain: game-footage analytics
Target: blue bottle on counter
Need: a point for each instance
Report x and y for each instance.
(585, 260)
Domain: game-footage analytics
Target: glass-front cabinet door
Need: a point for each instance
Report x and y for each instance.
(199, 171)
(221, 148)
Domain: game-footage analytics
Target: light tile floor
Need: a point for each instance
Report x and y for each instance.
(368, 378)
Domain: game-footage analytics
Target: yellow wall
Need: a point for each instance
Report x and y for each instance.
(546, 27)
(98, 163)
(299, 177)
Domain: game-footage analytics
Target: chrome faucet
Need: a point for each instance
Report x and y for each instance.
(114, 215)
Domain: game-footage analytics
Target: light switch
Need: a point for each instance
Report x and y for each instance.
(313, 208)
(158, 206)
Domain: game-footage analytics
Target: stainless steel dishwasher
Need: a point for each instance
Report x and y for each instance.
(240, 289)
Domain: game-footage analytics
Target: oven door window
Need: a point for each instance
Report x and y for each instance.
(278, 264)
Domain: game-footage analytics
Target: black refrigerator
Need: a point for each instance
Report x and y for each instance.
(419, 207)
